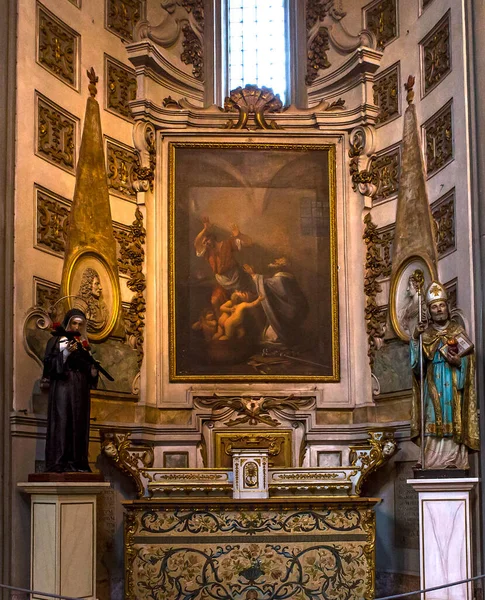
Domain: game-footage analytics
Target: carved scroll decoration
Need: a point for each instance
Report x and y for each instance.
(120, 88)
(374, 267)
(254, 409)
(179, 16)
(443, 211)
(382, 447)
(436, 54)
(255, 102)
(386, 94)
(439, 140)
(52, 221)
(381, 19)
(132, 459)
(122, 16)
(361, 153)
(121, 164)
(386, 166)
(144, 140)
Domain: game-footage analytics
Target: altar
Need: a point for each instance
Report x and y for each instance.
(244, 549)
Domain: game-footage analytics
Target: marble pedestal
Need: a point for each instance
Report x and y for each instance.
(63, 537)
(445, 535)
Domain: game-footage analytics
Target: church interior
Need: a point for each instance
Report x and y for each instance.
(242, 254)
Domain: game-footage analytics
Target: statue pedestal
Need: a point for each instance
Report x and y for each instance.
(63, 537)
(445, 535)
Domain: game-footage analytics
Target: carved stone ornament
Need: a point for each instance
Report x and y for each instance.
(438, 133)
(385, 243)
(57, 47)
(443, 211)
(324, 29)
(46, 293)
(132, 254)
(381, 19)
(122, 163)
(254, 409)
(52, 221)
(122, 16)
(436, 54)
(361, 153)
(56, 134)
(136, 461)
(120, 88)
(144, 140)
(179, 16)
(131, 459)
(386, 165)
(386, 94)
(255, 102)
(374, 267)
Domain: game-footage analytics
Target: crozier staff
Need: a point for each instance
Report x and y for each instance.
(450, 405)
(71, 374)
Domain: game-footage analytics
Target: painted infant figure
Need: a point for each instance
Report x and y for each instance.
(230, 324)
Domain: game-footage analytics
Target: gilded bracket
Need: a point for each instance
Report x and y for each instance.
(361, 154)
(131, 459)
(367, 458)
(144, 140)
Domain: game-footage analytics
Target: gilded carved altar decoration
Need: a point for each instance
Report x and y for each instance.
(130, 458)
(193, 53)
(438, 133)
(374, 267)
(386, 167)
(121, 164)
(57, 49)
(436, 54)
(381, 19)
(318, 42)
(122, 16)
(443, 211)
(361, 154)
(300, 550)
(120, 88)
(385, 243)
(383, 447)
(254, 409)
(386, 94)
(255, 102)
(52, 220)
(144, 140)
(133, 256)
(56, 134)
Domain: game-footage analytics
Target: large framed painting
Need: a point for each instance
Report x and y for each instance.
(253, 262)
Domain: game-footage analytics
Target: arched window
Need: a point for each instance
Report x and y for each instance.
(257, 47)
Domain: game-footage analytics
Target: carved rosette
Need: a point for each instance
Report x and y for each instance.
(255, 102)
(361, 154)
(374, 268)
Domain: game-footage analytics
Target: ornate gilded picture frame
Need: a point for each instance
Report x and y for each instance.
(252, 262)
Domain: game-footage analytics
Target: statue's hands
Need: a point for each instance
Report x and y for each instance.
(453, 358)
(249, 269)
(72, 346)
(235, 230)
(420, 328)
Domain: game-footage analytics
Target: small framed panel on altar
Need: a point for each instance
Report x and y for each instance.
(252, 262)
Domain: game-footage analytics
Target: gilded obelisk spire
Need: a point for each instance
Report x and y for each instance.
(90, 257)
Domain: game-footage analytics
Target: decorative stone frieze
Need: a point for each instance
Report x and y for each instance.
(55, 134)
(386, 94)
(436, 54)
(120, 87)
(381, 18)
(52, 221)
(386, 166)
(122, 16)
(121, 163)
(438, 133)
(57, 47)
(443, 211)
(374, 267)
(46, 293)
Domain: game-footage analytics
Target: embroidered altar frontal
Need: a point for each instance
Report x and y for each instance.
(250, 550)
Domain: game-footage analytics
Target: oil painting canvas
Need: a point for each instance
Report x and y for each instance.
(253, 262)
